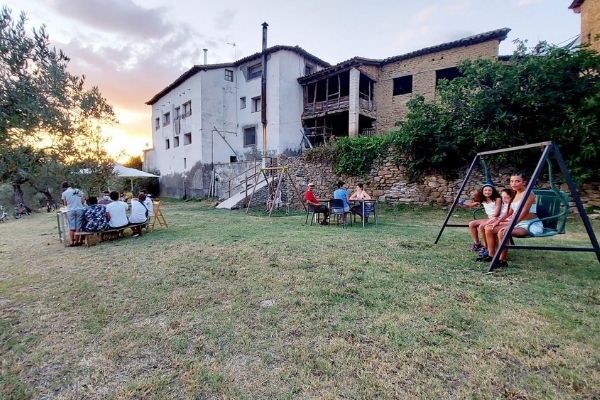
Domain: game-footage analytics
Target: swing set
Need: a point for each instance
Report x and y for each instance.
(552, 204)
(274, 177)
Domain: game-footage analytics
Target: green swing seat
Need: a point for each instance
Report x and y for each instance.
(553, 210)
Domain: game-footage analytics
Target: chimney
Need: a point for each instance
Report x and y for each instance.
(205, 55)
(263, 92)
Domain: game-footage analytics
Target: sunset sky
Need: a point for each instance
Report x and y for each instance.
(133, 49)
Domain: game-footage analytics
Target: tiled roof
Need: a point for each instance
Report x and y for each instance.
(344, 65)
(498, 34)
(197, 68)
(576, 4)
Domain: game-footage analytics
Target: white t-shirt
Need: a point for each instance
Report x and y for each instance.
(73, 199)
(118, 214)
(149, 206)
(138, 212)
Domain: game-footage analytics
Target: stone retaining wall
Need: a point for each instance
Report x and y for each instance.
(389, 182)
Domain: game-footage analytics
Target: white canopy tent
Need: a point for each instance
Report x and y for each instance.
(125, 172)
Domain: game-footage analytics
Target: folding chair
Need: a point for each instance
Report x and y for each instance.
(158, 215)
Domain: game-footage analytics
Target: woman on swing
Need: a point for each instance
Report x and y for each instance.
(528, 224)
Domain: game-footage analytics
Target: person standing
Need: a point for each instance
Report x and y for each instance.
(73, 199)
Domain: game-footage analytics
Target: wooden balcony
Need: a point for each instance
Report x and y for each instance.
(334, 105)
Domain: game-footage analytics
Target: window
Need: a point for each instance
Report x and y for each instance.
(157, 123)
(184, 163)
(446, 73)
(167, 144)
(403, 85)
(242, 103)
(254, 71)
(250, 136)
(255, 106)
(232, 159)
(308, 69)
(166, 118)
(176, 141)
(229, 75)
(177, 112)
(187, 138)
(187, 109)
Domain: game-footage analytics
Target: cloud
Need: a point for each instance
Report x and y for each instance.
(525, 3)
(224, 19)
(121, 16)
(425, 15)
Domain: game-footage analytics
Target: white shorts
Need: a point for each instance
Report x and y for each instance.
(533, 226)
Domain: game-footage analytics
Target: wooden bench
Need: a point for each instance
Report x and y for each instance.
(93, 238)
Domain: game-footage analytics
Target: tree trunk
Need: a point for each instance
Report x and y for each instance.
(18, 192)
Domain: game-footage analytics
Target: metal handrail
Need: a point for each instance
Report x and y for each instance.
(231, 189)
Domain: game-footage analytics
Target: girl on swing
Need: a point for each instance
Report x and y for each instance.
(489, 198)
(528, 224)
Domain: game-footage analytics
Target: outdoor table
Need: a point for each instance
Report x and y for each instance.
(63, 227)
(362, 204)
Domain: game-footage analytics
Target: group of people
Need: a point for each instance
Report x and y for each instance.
(110, 212)
(501, 208)
(341, 193)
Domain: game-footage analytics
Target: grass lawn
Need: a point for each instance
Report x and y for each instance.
(227, 305)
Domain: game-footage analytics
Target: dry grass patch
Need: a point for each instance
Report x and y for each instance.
(228, 305)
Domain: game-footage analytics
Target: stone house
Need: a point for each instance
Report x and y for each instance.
(209, 118)
(590, 21)
(363, 96)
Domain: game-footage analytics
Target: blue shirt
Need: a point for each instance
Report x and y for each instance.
(342, 194)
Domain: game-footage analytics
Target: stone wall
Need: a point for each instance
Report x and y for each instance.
(590, 23)
(392, 108)
(389, 182)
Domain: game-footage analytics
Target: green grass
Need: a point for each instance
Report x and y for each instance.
(228, 305)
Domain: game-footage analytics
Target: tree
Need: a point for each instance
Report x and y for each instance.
(134, 162)
(543, 93)
(46, 114)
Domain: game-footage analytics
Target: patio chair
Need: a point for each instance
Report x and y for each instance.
(336, 207)
(310, 211)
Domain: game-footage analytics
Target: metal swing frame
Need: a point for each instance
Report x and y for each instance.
(548, 149)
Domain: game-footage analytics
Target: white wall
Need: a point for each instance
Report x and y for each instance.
(216, 103)
(171, 160)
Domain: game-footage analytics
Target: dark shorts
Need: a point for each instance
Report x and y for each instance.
(321, 209)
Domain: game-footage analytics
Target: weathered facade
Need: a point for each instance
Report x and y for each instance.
(212, 113)
(590, 21)
(363, 96)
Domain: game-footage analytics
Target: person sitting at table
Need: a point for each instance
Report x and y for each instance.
(341, 193)
(361, 194)
(105, 198)
(139, 213)
(116, 212)
(148, 203)
(312, 200)
(94, 216)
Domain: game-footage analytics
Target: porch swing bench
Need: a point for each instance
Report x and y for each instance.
(552, 205)
(553, 210)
